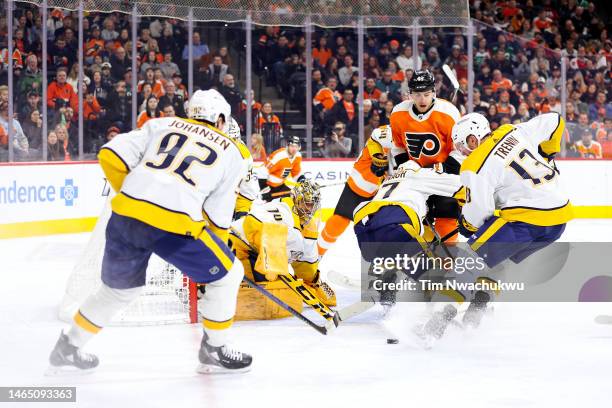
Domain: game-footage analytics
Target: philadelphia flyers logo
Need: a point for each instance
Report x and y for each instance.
(426, 144)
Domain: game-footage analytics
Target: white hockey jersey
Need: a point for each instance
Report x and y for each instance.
(511, 172)
(301, 242)
(409, 187)
(182, 174)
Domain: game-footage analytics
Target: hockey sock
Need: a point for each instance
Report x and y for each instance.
(334, 227)
(444, 226)
(97, 311)
(219, 304)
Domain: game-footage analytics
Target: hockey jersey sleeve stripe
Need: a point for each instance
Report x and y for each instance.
(476, 160)
(156, 216)
(114, 167)
(373, 206)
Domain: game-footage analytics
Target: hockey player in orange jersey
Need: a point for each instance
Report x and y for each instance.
(362, 185)
(421, 129)
(280, 164)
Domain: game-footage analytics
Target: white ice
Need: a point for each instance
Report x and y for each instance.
(525, 355)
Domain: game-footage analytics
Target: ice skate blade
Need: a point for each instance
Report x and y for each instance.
(214, 370)
(67, 371)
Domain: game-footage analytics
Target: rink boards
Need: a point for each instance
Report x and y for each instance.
(49, 198)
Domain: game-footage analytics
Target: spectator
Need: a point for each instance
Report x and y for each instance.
(20, 142)
(588, 148)
(63, 139)
(433, 58)
(55, 149)
(168, 111)
(600, 103)
(151, 111)
(181, 89)
(346, 72)
(105, 69)
(168, 68)
(32, 128)
(500, 82)
(109, 33)
(317, 80)
(73, 78)
(406, 60)
(389, 86)
(373, 123)
(119, 63)
(339, 145)
(150, 62)
(120, 110)
(171, 98)
(31, 78)
(61, 56)
(480, 106)
(61, 90)
(331, 68)
(504, 107)
(396, 74)
(522, 114)
(370, 90)
(95, 45)
(372, 70)
(321, 53)
(199, 49)
(268, 125)
(100, 89)
(216, 72)
(327, 97)
(230, 92)
(345, 111)
(157, 88)
(33, 103)
(258, 149)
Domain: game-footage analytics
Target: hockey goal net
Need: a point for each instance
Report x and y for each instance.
(168, 297)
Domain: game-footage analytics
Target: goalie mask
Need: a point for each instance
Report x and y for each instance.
(306, 200)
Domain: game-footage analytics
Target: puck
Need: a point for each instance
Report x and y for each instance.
(392, 341)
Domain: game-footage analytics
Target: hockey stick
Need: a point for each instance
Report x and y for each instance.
(321, 329)
(360, 307)
(453, 79)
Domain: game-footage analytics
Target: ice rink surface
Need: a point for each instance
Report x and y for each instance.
(523, 355)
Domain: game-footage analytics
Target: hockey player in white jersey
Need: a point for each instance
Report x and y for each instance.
(393, 220)
(175, 181)
(514, 204)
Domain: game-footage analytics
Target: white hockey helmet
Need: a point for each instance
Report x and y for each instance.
(208, 106)
(473, 124)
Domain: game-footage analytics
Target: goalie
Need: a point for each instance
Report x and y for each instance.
(282, 232)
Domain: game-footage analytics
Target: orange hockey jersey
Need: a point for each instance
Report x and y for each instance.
(593, 151)
(426, 137)
(280, 165)
(361, 180)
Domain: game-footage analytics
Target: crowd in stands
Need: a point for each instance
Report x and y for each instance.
(518, 47)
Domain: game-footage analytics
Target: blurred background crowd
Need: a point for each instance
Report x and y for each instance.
(518, 49)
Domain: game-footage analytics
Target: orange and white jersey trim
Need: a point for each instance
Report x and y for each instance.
(280, 166)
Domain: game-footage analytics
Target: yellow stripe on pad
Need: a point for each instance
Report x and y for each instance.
(214, 325)
(216, 249)
(85, 324)
(493, 228)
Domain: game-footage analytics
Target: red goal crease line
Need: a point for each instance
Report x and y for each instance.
(86, 224)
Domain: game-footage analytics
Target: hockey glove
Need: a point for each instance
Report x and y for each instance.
(380, 164)
(465, 228)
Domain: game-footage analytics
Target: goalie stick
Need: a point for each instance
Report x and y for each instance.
(360, 307)
(321, 329)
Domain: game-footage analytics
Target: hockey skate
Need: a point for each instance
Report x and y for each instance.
(435, 327)
(476, 310)
(222, 360)
(66, 358)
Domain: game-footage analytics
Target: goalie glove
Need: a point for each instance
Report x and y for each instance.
(380, 164)
(465, 228)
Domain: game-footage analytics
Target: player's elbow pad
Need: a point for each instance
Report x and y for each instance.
(114, 168)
